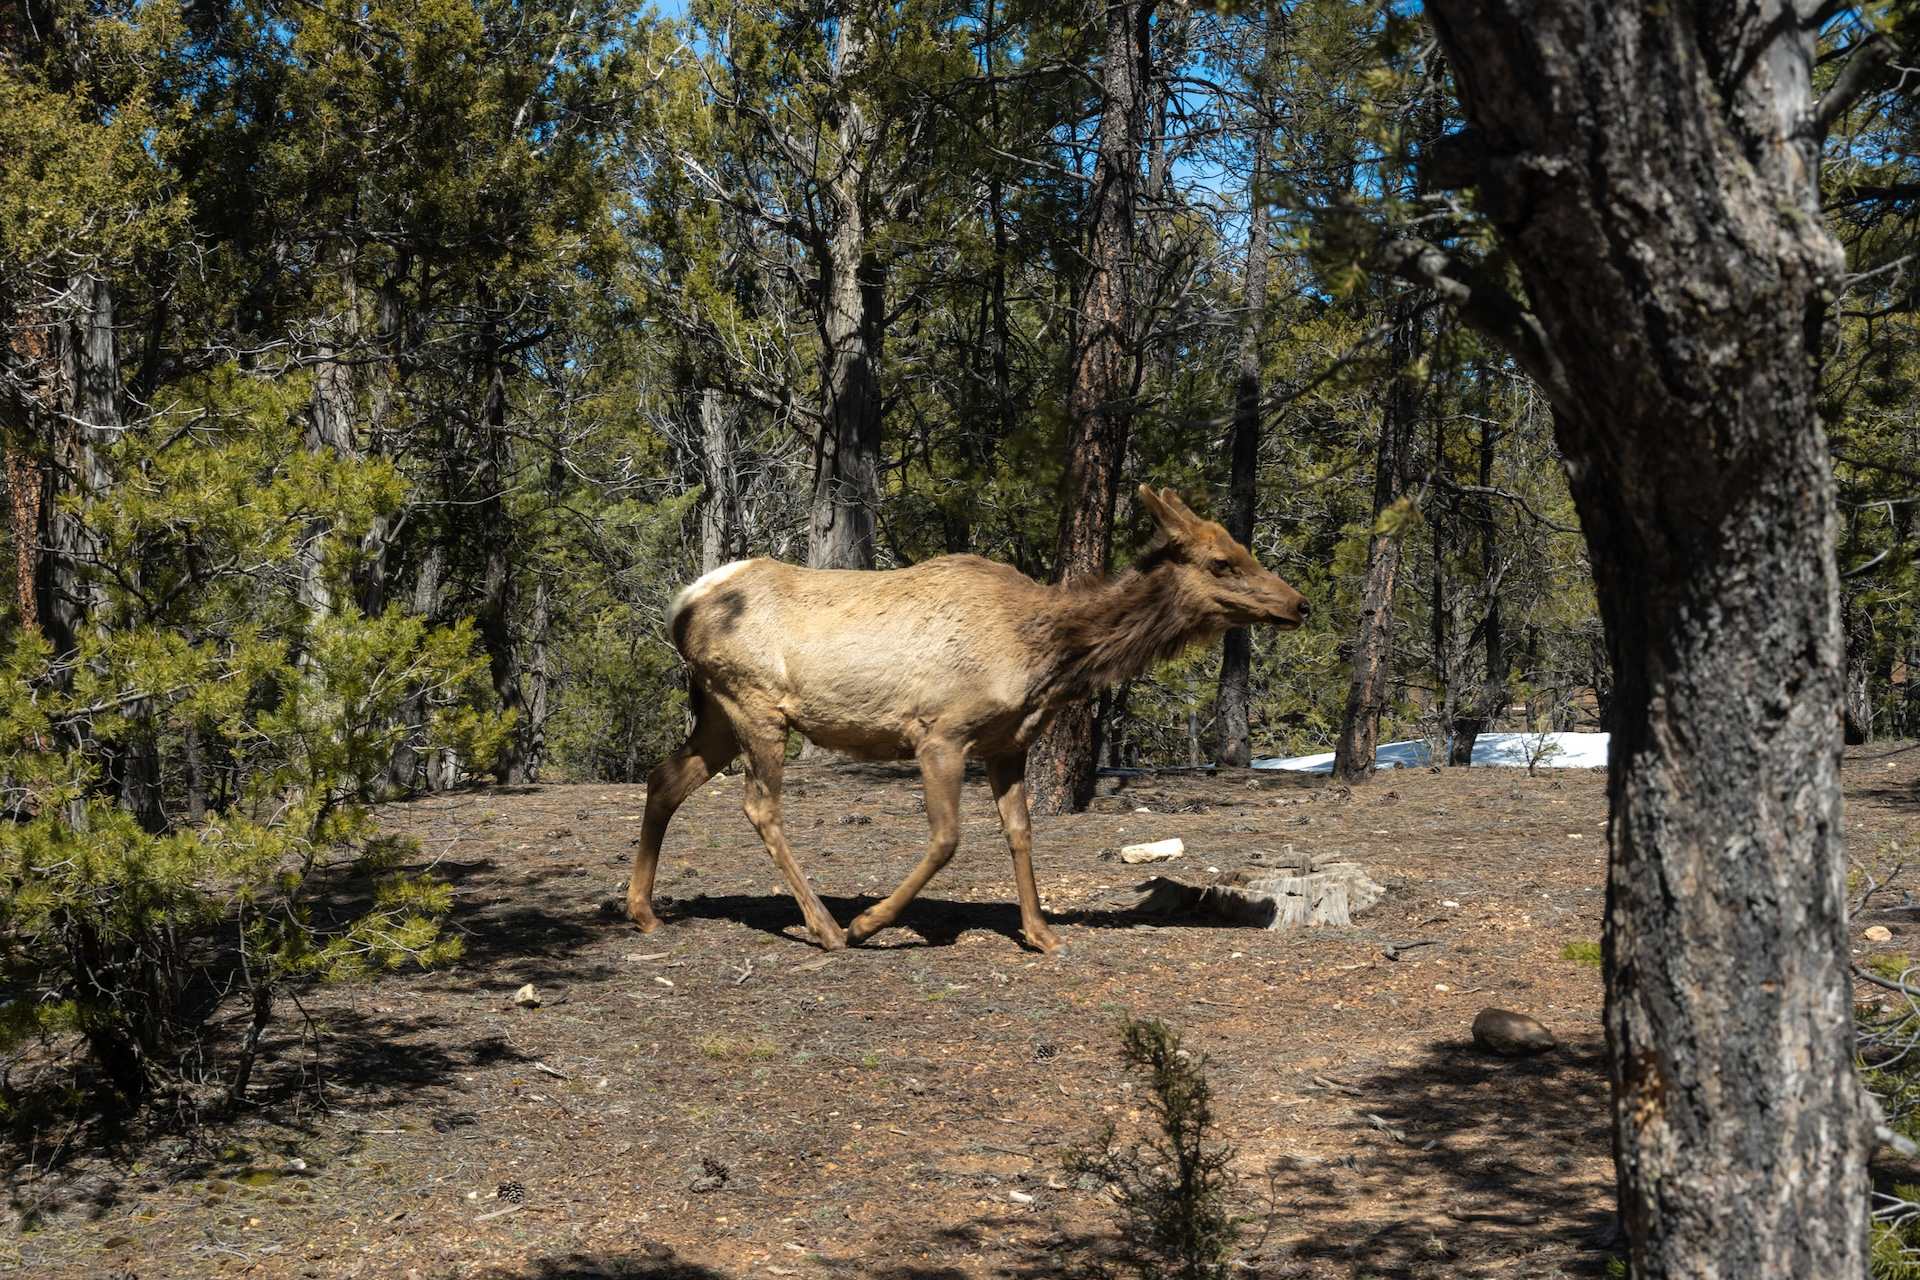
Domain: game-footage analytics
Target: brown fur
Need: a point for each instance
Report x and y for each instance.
(951, 658)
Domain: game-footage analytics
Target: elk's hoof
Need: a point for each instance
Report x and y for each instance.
(831, 939)
(641, 913)
(1045, 940)
(864, 926)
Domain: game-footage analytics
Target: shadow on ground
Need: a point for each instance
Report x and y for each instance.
(1484, 1117)
(921, 1255)
(933, 922)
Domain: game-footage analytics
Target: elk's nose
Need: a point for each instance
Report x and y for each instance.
(1304, 610)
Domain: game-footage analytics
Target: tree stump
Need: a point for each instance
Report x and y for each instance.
(1307, 896)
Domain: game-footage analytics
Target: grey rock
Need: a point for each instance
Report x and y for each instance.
(1510, 1034)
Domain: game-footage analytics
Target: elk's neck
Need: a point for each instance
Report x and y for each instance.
(1092, 637)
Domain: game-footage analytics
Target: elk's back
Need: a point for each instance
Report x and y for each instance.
(866, 661)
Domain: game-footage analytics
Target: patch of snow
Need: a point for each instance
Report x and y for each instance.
(1505, 750)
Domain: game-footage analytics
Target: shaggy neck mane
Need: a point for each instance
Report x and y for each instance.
(1099, 634)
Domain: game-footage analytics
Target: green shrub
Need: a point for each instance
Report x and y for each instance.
(1174, 1185)
(115, 899)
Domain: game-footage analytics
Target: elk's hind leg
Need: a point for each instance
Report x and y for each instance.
(765, 742)
(1008, 775)
(709, 749)
(942, 769)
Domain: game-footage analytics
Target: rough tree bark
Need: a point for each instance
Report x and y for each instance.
(23, 514)
(720, 540)
(1652, 171)
(846, 458)
(1236, 650)
(330, 430)
(1060, 768)
(497, 584)
(1373, 637)
(83, 397)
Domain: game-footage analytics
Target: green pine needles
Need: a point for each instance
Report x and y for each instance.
(1173, 1187)
(177, 790)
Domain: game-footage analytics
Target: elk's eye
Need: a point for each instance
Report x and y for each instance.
(1221, 567)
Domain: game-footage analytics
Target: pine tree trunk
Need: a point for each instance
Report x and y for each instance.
(1492, 699)
(1373, 639)
(1236, 649)
(720, 540)
(84, 392)
(330, 430)
(846, 460)
(495, 613)
(1061, 765)
(1652, 171)
(23, 516)
(412, 769)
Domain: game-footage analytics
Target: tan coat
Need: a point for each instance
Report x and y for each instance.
(955, 657)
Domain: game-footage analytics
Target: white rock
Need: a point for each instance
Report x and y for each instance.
(1878, 933)
(526, 997)
(1153, 851)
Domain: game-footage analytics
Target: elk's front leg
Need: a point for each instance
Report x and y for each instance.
(1008, 776)
(766, 747)
(942, 769)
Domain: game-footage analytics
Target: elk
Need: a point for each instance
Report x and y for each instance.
(954, 657)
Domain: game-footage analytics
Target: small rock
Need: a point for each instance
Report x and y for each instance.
(1019, 1197)
(526, 997)
(1510, 1034)
(1153, 851)
(1878, 933)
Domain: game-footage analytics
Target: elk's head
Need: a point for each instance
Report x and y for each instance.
(1219, 570)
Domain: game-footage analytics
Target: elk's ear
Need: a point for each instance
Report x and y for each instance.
(1179, 508)
(1168, 521)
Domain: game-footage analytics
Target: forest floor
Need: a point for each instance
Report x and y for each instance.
(722, 1099)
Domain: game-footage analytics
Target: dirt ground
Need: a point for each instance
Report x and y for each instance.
(721, 1099)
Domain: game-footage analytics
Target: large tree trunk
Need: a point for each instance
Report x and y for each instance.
(85, 400)
(1652, 170)
(1236, 652)
(1060, 768)
(1373, 637)
(846, 460)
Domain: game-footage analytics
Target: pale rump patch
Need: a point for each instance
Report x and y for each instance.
(700, 586)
